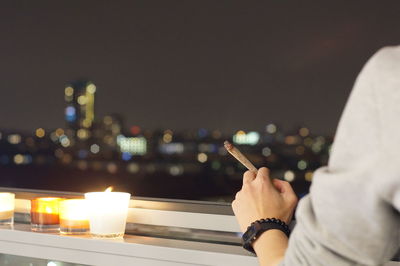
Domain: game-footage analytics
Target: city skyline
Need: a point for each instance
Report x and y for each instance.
(134, 158)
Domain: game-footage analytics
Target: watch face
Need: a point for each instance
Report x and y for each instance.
(250, 233)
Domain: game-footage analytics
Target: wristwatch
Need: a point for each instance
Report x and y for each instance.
(260, 226)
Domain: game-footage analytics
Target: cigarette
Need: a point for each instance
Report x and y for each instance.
(239, 156)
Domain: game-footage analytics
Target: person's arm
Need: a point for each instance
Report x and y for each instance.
(270, 247)
(260, 198)
(352, 213)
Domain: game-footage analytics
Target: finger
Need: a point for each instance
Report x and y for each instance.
(237, 195)
(263, 175)
(286, 191)
(283, 186)
(233, 205)
(248, 176)
(279, 185)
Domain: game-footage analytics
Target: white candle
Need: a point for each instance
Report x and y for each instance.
(7, 208)
(74, 216)
(107, 213)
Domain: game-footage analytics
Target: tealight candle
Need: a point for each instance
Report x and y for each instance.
(7, 208)
(107, 213)
(73, 217)
(45, 214)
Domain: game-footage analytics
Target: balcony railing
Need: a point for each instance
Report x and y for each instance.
(158, 232)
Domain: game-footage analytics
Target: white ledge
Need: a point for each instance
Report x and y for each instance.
(132, 250)
(203, 221)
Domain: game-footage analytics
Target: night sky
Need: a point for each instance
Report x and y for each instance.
(225, 65)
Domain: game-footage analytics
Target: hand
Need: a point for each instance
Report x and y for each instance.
(261, 197)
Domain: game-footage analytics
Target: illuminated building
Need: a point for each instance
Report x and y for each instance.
(79, 112)
(132, 145)
(250, 138)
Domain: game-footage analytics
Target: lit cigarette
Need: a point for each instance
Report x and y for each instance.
(239, 156)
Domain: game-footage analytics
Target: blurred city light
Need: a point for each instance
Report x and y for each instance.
(69, 91)
(171, 148)
(271, 128)
(94, 148)
(14, 138)
(308, 176)
(176, 170)
(40, 132)
(266, 151)
(91, 88)
(133, 145)
(243, 138)
(289, 176)
(133, 168)
(304, 132)
(302, 165)
(202, 157)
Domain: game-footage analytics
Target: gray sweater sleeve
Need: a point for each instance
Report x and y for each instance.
(351, 215)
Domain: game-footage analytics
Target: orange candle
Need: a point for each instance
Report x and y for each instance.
(73, 217)
(45, 214)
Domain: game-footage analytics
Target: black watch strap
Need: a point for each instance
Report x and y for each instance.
(260, 226)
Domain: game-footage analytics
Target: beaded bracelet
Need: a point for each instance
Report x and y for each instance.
(258, 227)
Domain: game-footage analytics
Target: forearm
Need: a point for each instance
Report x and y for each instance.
(271, 247)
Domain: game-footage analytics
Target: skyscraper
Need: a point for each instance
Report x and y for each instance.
(79, 113)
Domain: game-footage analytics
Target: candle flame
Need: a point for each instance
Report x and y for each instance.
(109, 189)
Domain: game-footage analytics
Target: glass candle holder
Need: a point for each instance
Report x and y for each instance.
(107, 213)
(45, 214)
(74, 217)
(7, 208)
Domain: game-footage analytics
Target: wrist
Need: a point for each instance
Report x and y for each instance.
(259, 227)
(270, 247)
(270, 236)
